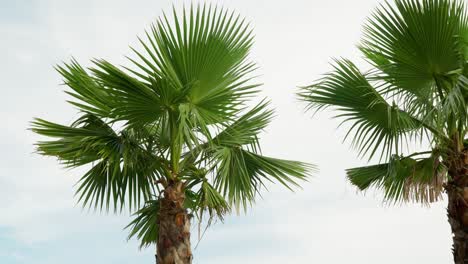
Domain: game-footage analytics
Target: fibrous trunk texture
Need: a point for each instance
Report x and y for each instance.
(457, 210)
(173, 245)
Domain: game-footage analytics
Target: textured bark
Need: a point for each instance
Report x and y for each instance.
(457, 210)
(173, 245)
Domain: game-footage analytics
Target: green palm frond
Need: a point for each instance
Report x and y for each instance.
(89, 95)
(211, 201)
(375, 123)
(245, 129)
(135, 101)
(403, 179)
(123, 170)
(78, 144)
(415, 42)
(232, 158)
(145, 225)
(243, 132)
(204, 57)
(239, 173)
(454, 105)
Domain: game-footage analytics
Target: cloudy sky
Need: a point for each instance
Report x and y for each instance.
(326, 221)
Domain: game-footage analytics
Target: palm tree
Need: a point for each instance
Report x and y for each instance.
(173, 137)
(415, 90)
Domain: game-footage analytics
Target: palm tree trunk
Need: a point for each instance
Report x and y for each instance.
(457, 210)
(173, 245)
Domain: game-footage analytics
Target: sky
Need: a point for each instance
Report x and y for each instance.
(325, 221)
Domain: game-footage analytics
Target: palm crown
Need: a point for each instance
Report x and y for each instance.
(178, 116)
(417, 89)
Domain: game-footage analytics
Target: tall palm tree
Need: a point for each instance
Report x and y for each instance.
(415, 90)
(172, 136)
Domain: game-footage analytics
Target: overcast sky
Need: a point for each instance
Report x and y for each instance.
(327, 221)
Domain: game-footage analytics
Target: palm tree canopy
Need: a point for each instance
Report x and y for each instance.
(179, 114)
(416, 89)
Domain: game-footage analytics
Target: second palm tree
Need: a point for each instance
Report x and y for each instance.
(417, 89)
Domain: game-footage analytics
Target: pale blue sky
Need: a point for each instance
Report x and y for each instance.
(325, 222)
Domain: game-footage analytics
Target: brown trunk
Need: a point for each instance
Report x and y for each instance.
(457, 210)
(173, 245)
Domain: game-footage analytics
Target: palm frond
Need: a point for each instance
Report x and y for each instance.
(204, 54)
(78, 144)
(374, 122)
(403, 179)
(145, 226)
(454, 105)
(244, 130)
(211, 201)
(239, 174)
(415, 42)
(135, 101)
(89, 95)
(122, 169)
